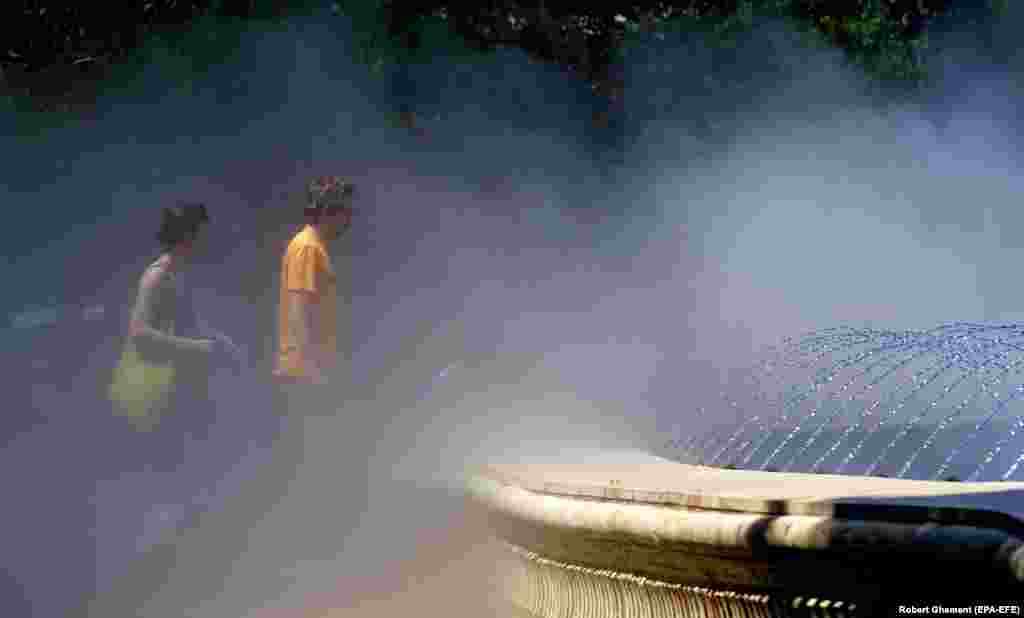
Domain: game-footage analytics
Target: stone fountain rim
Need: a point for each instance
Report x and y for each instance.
(666, 483)
(782, 556)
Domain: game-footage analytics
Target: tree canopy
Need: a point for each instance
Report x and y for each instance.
(884, 37)
(57, 54)
(51, 46)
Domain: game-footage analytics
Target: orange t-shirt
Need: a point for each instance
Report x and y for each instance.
(307, 267)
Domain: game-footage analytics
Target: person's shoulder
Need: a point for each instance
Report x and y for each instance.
(155, 273)
(304, 244)
(299, 239)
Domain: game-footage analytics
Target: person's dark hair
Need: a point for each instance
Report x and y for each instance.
(180, 223)
(325, 194)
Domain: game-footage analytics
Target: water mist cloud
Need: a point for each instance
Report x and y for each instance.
(740, 217)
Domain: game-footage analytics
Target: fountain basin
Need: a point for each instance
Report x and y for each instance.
(653, 538)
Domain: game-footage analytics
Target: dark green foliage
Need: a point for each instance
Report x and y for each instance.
(883, 36)
(59, 53)
(40, 34)
(50, 47)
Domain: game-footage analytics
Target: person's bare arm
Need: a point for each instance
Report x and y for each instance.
(141, 325)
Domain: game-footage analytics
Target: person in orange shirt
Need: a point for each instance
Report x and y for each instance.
(312, 352)
(308, 312)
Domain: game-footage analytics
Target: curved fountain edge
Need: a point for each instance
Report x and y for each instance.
(571, 537)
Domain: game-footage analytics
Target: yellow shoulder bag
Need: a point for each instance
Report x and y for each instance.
(140, 387)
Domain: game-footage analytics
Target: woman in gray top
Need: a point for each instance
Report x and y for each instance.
(165, 328)
(162, 313)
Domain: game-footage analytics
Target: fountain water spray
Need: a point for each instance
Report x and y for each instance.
(815, 341)
(946, 358)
